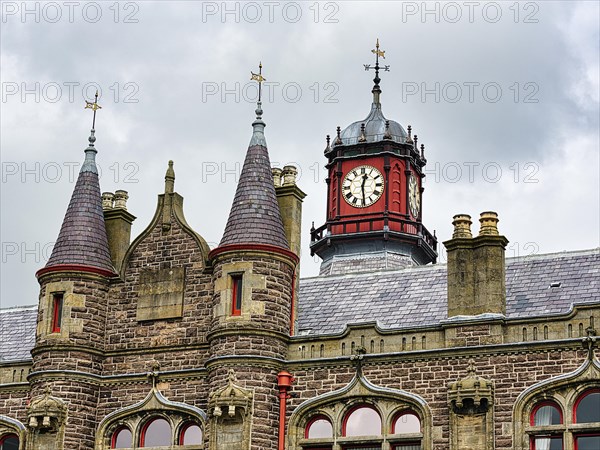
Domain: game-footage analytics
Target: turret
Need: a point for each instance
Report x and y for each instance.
(252, 305)
(72, 314)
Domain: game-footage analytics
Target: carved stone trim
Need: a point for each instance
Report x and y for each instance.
(134, 416)
(562, 389)
(231, 409)
(387, 401)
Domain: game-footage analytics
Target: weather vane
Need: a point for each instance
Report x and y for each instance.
(377, 53)
(258, 77)
(94, 107)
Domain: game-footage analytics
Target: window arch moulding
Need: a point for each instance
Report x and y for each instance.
(9, 425)
(336, 405)
(562, 390)
(137, 415)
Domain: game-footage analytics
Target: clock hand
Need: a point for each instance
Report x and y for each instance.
(362, 186)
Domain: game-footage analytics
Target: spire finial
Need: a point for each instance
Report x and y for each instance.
(387, 134)
(376, 89)
(258, 77)
(94, 107)
(409, 139)
(170, 179)
(338, 139)
(363, 137)
(258, 137)
(422, 151)
(89, 165)
(328, 148)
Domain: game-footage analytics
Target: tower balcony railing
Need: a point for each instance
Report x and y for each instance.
(392, 223)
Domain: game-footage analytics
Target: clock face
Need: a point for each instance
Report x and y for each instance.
(362, 186)
(414, 196)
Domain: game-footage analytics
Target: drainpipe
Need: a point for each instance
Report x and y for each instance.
(284, 382)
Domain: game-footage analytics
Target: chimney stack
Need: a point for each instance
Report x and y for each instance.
(118, 225)
(476, 267)
(289, 198)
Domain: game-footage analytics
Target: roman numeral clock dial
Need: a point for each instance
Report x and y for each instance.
(414, 196)
(362, 186)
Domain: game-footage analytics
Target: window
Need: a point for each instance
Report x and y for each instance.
(585, 442)
(587, 411)
(551, 431)
(587, 407)
(546, 413)
(362, 421)
(318, 428)
(236, 296)
(388, 424)
(191, 434)
(122, 438)
(57, 307)
(543, 415)
(9, 442)
(406, 423)
(156, 433)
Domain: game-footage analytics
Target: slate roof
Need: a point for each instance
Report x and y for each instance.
(416, 296)
(255, 217)
(398, 299)
(82, 239)
(17, 332)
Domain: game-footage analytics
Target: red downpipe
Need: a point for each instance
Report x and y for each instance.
(284, 382)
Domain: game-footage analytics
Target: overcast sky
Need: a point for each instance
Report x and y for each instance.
(504, 96)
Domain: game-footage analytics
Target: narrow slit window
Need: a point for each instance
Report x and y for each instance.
(57, 307)
(236, 296)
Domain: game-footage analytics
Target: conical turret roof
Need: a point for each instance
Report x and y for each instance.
(82, 241)
(255, 217)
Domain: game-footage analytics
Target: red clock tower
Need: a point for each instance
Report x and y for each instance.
(374, 196)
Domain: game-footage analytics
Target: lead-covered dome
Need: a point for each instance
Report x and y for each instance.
(375, 129)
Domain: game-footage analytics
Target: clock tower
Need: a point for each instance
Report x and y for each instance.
(374, 195)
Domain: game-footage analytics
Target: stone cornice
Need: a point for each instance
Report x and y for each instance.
(440, 354)
(103, 380)
(110, 353)
(246, 331)
(445, 324)
(252, 361)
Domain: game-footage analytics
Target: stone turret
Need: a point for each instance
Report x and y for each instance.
(252, 306)
(72, 314)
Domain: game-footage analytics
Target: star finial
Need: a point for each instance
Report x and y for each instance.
(94, 106)
(376, 89)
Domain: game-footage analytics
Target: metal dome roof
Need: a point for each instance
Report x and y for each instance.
(374, 128)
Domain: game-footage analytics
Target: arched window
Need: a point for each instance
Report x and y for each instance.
(587, 407)
(362, 421)
(122, 438)
(156, 433)
(191, 434)
(587, 411)
(546, 413)
(9, 442)
(406, 422)
(543, 416)
(318, 428)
